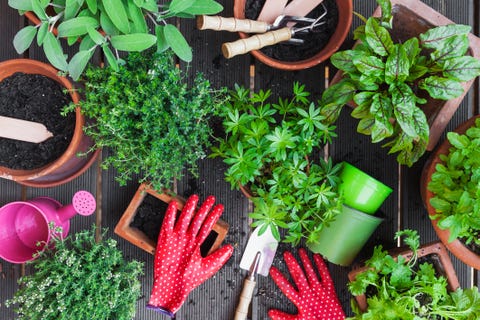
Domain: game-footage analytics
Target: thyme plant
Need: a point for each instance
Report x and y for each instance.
(79, 279)
(154, 123)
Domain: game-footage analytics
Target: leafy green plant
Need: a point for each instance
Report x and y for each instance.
(267, 147)
(455, 184)
(147, 115)
(118, 24)
(388, 81)
(405, 289)
(79, 279)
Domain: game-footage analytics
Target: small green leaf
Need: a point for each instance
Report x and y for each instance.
(107, 24)
(54, 53)
(365, 125)
(442, 88)
(412, 48)
(450, 48)
(343, 60)
(403, 100)
(92, 6)
(179, 5)
(23, 5)
(378, 38)
(137, 17)
(397, 65)
(112, 61)
(369, 65)
(71, 9)
(39, 10)
(86, 43)
(204, 7)
(133, 42)
(162, 44)
(24, 38)
(78, 63)
(42, 31)
(150, 5)
(457, 140)
(177, 42)
(462, 68)
(115, 10)
(434, 37)
(96, 36)
(76, 27)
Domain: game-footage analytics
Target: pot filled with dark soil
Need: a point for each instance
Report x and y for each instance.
(317, 47)
(33, 91)
(141, 222)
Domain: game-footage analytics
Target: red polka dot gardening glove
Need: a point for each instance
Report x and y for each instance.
(179, 266)
(314, 298)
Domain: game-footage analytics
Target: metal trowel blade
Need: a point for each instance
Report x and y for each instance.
(266, 244)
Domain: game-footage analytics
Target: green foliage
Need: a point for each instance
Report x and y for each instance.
(106, 24)
(455, 184)
(79, 279)
(267, 148)
(145, 112)
(404, 289)
(387, 80)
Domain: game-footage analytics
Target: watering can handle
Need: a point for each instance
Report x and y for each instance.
(219, 23)
(258, 41)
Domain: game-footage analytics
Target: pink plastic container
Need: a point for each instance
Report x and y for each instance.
(24, 224)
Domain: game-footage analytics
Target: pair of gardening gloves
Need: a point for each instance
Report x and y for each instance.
(179, 267)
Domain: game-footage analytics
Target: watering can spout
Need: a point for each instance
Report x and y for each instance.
(83, 203)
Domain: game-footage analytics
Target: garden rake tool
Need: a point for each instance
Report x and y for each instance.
(258, 41)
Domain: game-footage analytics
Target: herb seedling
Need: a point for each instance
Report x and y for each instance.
(455, 184)
(388, 80)
(402, 289)
(154, 124)
(267, 148)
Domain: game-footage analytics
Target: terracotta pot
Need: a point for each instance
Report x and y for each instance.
(345, 10)
(68, 166)
(428, 249)
(139, 238)
(413, 17)
(458, 249)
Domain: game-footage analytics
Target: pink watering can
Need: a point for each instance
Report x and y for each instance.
(23, 224)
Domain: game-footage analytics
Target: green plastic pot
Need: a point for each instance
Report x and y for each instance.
(343, 239)
(361, 191)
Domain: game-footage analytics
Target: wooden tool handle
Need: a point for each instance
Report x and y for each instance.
(245, 299)
(258, 41)
(231, 24)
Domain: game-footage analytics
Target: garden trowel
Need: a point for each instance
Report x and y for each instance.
(266, 244)
(23, 130)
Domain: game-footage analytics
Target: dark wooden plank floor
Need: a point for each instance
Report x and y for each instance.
(217, 298)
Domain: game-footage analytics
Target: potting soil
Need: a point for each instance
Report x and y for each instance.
(314, 42)
(37, 98)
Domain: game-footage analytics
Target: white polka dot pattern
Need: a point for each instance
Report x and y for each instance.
(314, 298)
(179, 266)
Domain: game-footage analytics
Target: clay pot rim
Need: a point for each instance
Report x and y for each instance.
(345, 13)
(436, 247)
(30, 66)
(457, 248)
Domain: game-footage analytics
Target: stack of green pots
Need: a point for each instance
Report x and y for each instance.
(363, 195)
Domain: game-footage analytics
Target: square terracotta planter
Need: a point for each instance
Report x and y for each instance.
(410, 19)
(434, 248)
(141, 240)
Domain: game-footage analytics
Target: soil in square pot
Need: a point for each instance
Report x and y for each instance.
(434, 251)
(39, 99)
(457, 247)
(149, 219)
(150, 206)
(67, 165)
(410, 19)
(318, 46)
